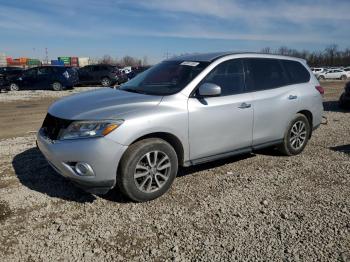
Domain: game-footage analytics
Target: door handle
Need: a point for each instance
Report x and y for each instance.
(291, 97)
(244, 105)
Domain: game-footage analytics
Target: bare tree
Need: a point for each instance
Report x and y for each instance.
(331, 52)
(127, 61)
(145, 61)
(266, 50)
(107, 59)
(331, 56)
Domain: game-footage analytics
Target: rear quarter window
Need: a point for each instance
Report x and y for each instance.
(297, 73)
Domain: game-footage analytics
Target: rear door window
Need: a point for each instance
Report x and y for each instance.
(264, 73)
(44, 71)
(229, 75)
(297, 73)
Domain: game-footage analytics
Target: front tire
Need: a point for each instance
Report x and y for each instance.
(147, 169)
(14, 87)
(296, 136)
(321, 78)
(57, 86)
(106, 82)
(343, 77)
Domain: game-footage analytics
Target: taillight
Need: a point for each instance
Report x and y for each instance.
(320, 89)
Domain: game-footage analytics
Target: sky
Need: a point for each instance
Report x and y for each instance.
(157, 28)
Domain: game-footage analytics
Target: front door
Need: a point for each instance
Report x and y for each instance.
(85, 74)
(219, 125)
(29, 78)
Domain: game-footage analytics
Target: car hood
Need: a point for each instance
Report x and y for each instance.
(106, 103)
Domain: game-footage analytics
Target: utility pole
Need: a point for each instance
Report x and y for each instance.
(166, 55)
(46, 56)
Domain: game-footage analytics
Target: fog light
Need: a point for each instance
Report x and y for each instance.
(83, 169)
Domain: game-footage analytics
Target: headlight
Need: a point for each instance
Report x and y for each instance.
(88, 129)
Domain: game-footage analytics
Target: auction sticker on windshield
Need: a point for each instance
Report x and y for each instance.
(188, 63)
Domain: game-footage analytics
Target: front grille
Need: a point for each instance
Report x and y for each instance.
(53, 126)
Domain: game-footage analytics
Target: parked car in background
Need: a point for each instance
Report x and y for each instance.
(184, 111)
(122, 77)
(9, 73)
(105, 75)
(344, 100)
(126, 70)
(45, 77)
(317, 70)
(137, 71)
(334, 74)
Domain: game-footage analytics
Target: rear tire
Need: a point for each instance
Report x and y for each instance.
(106, 82)
(321, 78)
(57, 86)
(343, 77)
(296, 136)
(13, 87)
(147, 169)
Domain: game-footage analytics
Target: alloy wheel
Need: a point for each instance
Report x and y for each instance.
(14, 87)
(152, 171)
(56, 86)
(105, 82)
(298, 135)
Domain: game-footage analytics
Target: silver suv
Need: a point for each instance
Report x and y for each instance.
(184, 111)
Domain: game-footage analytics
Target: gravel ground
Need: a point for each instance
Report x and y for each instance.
(260, 206)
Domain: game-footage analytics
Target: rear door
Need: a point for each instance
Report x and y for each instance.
(223, 124)
(274, 99)
(43, 78)
(338, 73)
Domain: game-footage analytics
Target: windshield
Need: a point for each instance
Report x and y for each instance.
(166, 78)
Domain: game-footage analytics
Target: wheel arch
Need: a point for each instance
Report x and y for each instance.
(173, 140)
(309, 117)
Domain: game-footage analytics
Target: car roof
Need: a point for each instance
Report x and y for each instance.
(210, 57)
(102, 65)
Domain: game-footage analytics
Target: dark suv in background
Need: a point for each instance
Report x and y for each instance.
(106, 75)
(45, 77)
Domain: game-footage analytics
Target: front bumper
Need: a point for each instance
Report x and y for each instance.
(102, 154)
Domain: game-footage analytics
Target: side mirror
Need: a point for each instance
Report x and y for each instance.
(209, 89)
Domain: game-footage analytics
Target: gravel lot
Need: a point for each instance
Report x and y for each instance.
(260, 206)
